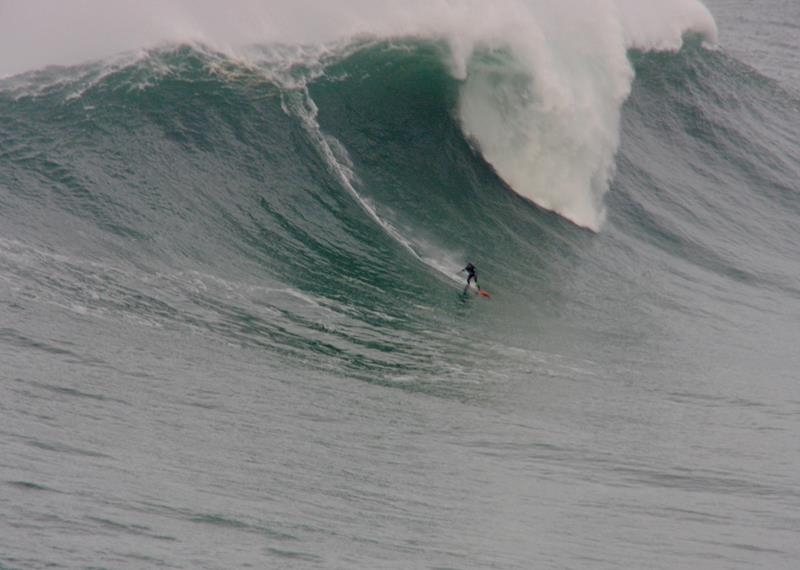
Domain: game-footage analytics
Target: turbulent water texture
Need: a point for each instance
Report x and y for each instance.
(234, 329)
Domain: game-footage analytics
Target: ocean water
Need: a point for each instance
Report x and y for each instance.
(232, 326)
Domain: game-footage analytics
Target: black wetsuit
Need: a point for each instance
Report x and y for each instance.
(471, 276)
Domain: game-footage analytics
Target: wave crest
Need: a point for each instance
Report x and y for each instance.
(542, 82)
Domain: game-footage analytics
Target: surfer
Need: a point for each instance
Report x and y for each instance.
(471, 276)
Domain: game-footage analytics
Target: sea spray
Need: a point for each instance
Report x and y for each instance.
(543, 83)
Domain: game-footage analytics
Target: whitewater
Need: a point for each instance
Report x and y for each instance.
(233, 331)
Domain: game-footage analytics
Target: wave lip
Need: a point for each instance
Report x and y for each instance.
(663, 26)
(542, 98)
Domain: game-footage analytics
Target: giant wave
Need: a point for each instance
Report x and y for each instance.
(352, 179)
(541, 85)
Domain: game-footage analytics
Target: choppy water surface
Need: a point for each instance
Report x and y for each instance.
(232, 331)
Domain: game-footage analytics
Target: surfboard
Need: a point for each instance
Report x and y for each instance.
(480, 292)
